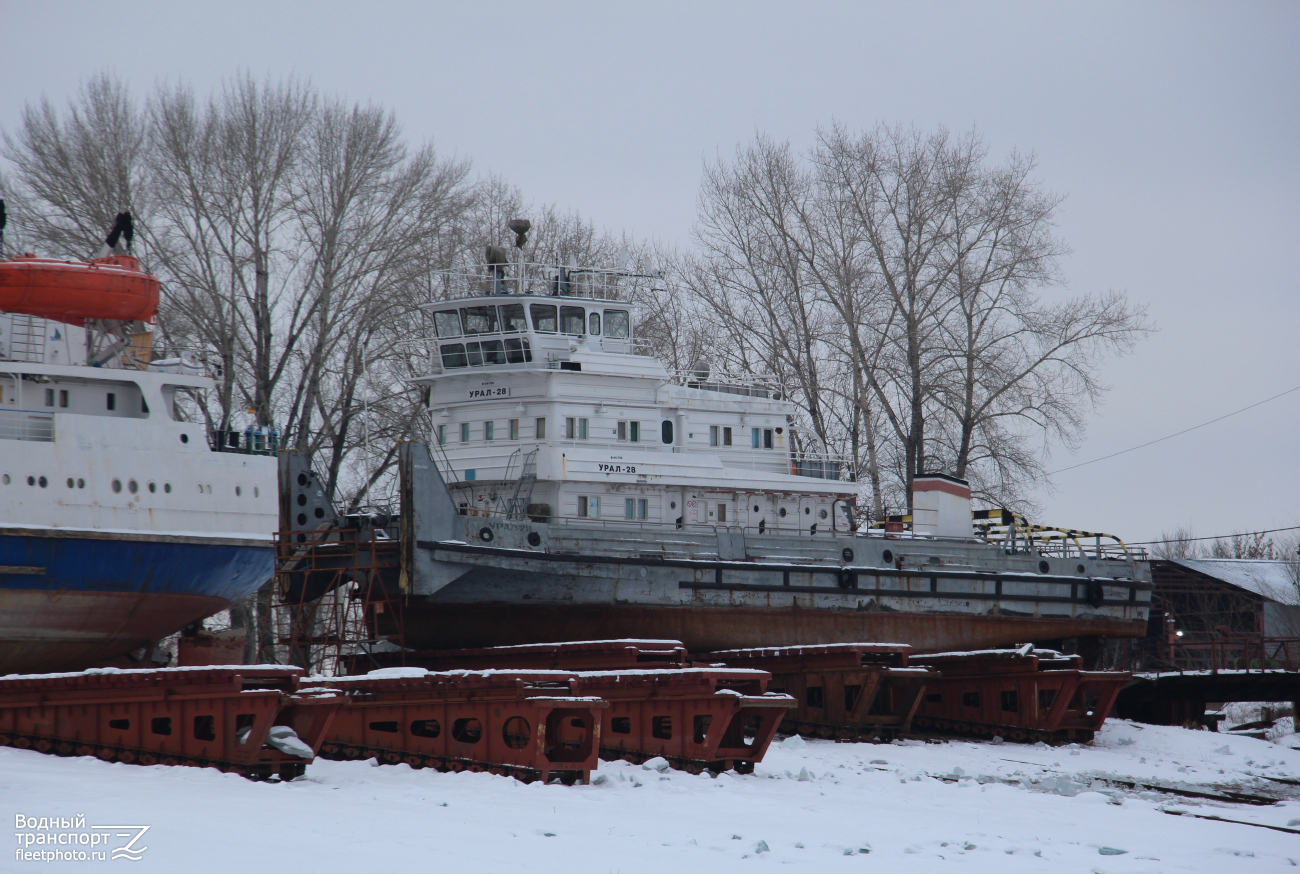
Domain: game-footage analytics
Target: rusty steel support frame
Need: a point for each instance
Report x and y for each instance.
(169, 716)
(334, 630)
(849, 691)
(525, 724)
(1018, 695)
(696, 718)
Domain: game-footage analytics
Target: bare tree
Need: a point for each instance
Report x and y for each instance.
(1179, 543)
(74, 171)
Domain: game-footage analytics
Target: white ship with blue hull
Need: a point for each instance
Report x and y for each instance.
(119, 522)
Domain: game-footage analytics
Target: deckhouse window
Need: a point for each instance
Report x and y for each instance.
(464, 432)
(571, 320)
(111, 401)
(479, 320)
(514, 429)
(589, 507)
(453, 355)
(726, 436)
(49, 397)
(666, 431)
(512, 318)
(713, 435)
(541, 429)
(617, 324)
(543, 318)
(447, 323)
(593, 324)
(518, 351)
(489, 429)
(575, 429)
(634, 508)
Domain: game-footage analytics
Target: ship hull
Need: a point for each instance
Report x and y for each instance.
(69, 601)
(441, 625)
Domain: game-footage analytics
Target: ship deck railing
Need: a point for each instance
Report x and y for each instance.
(534, 279)
(31, 425)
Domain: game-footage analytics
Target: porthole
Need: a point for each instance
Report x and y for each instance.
(887, 557)
(238, 491)
(847, 553)
(133, 487)
(302, 479)
(302, 519)
(1044, 567)
(302, 500)
(71, 483)
(117, 485)
(31, 480)
(1081, 569)
(319, 512)
(185, 438)
(821, 514)
(153, 488)
(81, 483)
(755, 507)
(807, 511)
(44, 482)
(534, 539)
(167, 487)
(485, 534)
(781, 512)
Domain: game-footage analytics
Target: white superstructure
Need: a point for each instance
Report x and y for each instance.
(102, 449)
(558, 386)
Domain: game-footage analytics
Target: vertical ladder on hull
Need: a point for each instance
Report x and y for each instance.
(517, 504)
(27, 338)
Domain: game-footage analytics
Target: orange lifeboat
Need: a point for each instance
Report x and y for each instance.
(113, 287)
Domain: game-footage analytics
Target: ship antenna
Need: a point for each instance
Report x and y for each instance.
(3, 219)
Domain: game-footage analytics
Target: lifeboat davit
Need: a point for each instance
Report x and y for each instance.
(113, 287)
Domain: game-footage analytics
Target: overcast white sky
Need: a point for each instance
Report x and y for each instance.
(1173, 128)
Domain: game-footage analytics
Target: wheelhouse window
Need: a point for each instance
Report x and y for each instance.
(618, 326)
(544, 319)
(593, 324)
(512, 318)
(447, 323)
(571, 320)
(479, 320)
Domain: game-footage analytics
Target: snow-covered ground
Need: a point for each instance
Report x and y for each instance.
(811, 806)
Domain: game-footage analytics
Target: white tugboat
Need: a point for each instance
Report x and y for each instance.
(579, 490)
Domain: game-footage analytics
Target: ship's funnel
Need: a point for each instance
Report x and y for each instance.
(941, 505)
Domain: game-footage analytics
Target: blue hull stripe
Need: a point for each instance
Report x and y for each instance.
(134, 566)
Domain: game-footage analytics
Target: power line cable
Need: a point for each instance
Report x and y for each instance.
(1178, 434)
(1215, 537)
